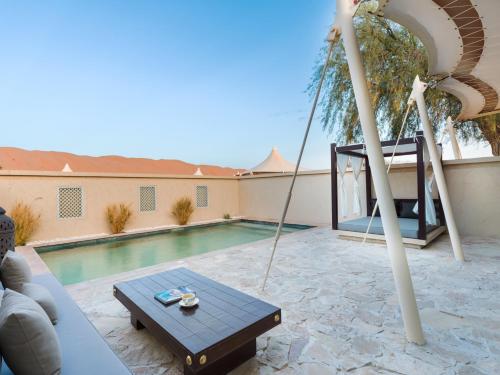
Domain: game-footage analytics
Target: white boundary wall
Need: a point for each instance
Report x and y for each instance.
(40, 190)
(474, 187)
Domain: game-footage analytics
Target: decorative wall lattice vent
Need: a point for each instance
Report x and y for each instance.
(70, 202)
(148, 198)
(202, 196)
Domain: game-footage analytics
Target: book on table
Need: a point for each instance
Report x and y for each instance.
(169, 296)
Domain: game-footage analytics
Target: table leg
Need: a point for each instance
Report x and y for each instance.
(135, 322)
(227, 363)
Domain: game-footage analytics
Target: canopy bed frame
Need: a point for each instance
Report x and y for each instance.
(415, 230)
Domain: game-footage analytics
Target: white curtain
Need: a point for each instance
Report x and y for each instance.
(356, 171)
(342, 160)
(430, 210)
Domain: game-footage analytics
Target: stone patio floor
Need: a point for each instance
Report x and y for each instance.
(340, 310)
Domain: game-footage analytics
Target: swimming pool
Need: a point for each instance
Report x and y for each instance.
(86, 260)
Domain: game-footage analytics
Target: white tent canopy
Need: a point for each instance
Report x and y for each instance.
(66, 168)
(274, 163)
(462, 39)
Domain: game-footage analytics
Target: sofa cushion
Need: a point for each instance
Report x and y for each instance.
(28, 341)
(407, 210)
(14, 271)
(42, 296)
(84, 351)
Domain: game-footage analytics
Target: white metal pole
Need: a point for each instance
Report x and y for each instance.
(419, 88)
(453, 138)
(296, 171)
(397, 255)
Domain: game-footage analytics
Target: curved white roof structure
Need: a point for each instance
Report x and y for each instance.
(274, 163)
(198, 172)
(462, 38)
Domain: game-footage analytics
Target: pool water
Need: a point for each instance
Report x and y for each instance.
(72, 264)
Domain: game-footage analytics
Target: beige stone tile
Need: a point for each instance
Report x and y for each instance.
(340, 308)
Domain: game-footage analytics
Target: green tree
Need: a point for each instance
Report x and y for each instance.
(484, 128)
(392, 57)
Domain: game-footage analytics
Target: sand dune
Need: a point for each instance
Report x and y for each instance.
(12, 158)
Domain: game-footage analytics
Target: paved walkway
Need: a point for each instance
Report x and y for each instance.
(340, 311)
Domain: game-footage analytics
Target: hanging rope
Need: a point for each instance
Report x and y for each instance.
(309, 122)
(401, 131)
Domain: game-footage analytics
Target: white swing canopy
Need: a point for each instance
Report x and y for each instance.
(462, 39)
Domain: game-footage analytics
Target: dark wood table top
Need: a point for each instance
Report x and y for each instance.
(223, 313)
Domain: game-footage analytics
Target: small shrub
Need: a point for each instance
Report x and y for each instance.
(26, 222)
(117, 216)
(227, 216)
(182, 210)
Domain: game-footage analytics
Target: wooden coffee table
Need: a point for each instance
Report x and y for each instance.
(212, 338)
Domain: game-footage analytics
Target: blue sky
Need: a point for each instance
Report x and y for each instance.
(205, 81)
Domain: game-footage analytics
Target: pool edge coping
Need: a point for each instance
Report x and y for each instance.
(126, 234)
(72, 243)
